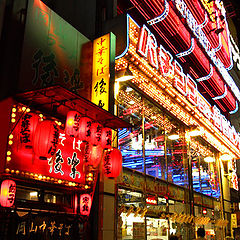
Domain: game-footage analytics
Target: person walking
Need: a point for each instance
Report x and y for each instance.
(173, 237)
(201, 234)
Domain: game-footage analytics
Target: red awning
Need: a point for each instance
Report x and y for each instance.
(57, 101)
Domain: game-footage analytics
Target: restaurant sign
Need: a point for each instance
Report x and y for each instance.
(49, 227)
(162, 60)
(101, 72)
(66, 162)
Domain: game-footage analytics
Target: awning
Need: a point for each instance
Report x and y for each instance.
(56, 101)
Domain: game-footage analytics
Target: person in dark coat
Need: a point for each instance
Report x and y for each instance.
(173, 237)
(201, 234)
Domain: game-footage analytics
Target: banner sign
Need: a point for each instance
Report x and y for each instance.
(49, 227)
(176, 192)
(101, 72)
(132, 179)
(65, 164)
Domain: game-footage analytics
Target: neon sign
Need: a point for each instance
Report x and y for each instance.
(100, 71)
(151, 200)
(200, 35)
(163, 61)
(66, 164)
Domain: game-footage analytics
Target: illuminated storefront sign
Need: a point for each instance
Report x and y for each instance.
(48, 226)
(162, 60)
(7, 193)
(200, 35)
(58, 155)
(65, 164)
(101, 73)
(85, 204)
(152, 200)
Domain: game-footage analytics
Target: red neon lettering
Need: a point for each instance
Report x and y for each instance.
(151, 201)
(142, 44)
(179, 80)
(148, 46)
(217, 121)
(152, 51)
(225, 127)
(204, 107)
(165, 60)
(191, 90)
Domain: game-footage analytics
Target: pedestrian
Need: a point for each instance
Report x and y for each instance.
(173, 237)
(201, 234)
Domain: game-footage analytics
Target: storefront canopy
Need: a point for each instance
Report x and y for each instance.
(57, 101)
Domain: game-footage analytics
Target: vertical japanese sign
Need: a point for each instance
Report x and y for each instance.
(101, 73)
(7, 193)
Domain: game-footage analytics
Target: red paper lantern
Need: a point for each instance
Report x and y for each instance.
(46, 139)
(112, 163)
(7, 195)
(73, 123)
(92, 155)
(84, 132)
(85, 204)
(106, 138)
(96, 132)
(26, 129)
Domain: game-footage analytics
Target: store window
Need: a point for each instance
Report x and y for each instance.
(164, 157)
(204, 169)
(157, 228)
(177, 157)
(57, 198)
(130, 140)
(177, 227)
(131, 214)
(155, 127)
(205, 218)
(25, 193)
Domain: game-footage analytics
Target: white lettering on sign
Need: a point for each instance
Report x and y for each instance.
(151, 201)
(202, 38)
(185, 84)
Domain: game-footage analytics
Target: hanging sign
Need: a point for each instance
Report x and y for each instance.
(112, 163)
(7, 195)
(46, 139)
(106, 138)
(96, 132)
(85, 204)
(101, 72)
(55, 154)
(72, 123)
(27, 125)
(92, 155)
(84, 132)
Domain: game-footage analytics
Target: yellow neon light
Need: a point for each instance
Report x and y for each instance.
(101, 74)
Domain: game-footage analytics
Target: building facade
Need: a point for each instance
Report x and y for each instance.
(159, 76)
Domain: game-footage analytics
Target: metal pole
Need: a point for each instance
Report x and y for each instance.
(221, 189)
(144, 165)
(190, 181)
